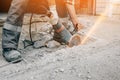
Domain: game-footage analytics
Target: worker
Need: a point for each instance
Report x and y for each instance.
(66, 8)
(13, 25)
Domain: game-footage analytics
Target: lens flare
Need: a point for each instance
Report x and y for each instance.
(94, 27)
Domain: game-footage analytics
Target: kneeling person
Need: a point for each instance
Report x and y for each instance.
(12, 31)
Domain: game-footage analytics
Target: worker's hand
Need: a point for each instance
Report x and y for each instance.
(78, 27)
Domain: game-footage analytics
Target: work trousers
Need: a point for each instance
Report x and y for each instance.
(13, 25)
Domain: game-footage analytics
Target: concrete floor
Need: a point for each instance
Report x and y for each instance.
(96, 60)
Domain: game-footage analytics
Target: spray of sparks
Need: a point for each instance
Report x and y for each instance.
(94, 27)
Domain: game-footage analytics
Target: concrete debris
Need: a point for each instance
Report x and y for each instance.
(99, 56)
(39, 44)
(48, 37)
(53, 44)
(89, 77)
(61, 70)
(34, 35)
(43, 41)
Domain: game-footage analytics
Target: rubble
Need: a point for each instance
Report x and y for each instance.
(39, 44)
(68, 63)
(61, 70)
(53, 44)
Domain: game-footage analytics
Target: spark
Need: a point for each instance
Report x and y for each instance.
(94, 27)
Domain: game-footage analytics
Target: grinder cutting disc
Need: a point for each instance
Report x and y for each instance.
(75, 40)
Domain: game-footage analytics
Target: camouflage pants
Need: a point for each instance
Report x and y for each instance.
(13, 24)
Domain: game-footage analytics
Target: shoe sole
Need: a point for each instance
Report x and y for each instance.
(14, 61)
(17, 61)
(75, 40)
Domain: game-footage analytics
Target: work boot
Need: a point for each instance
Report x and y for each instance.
(12, 55)
(57, 37)
(65, 36)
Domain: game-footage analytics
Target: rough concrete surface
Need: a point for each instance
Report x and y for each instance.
(97, 59)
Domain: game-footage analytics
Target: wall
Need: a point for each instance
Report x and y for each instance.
(85, 6)
(110, 8)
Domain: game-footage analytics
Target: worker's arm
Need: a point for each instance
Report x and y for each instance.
(72, 14)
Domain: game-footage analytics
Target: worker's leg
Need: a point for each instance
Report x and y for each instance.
(13, 24)
(63, 34)
(63, 13)
(12, 29)
(61, 8)
(65, 8)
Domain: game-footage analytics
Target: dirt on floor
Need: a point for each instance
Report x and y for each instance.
(97, 59)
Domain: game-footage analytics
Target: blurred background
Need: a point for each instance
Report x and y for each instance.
(89, 7)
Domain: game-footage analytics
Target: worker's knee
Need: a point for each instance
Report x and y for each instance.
(12, 27)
